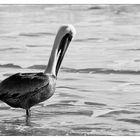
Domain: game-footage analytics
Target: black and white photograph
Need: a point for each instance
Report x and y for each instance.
(69, 69)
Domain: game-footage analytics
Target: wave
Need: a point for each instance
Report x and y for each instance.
(138, 49)
(66, 87)
(97, 39)
(60, 105)
(72, 70)
(134, 121)
(101, 71)
(35, 34)
(68, 101)
(97, 7)
(9, 49)
(37, 67)
(94, 104)
(10, 65)
(117, 112)
(75, 113)
(117, 81)
(137, 60)
(87, 39)
(36, 46)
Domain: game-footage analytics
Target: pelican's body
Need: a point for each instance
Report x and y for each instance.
(24, 90)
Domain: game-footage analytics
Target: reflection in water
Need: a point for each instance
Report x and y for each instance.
(28, 120)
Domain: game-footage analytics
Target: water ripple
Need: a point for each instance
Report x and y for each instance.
(94, 104)
(118, 112)
(36, 34)
(10, 65)
(101, 71)
(133, 121)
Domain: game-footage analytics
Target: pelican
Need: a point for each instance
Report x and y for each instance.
(24, 90)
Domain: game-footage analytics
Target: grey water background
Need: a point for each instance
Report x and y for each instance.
(98, 87)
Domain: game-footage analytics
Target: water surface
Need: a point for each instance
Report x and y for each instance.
(98, 87)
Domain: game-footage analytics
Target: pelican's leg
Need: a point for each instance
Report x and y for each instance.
(28, 112)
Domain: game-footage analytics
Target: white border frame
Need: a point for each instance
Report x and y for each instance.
(69, 1)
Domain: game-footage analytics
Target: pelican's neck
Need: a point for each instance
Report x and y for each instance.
(51, 67)
(61, 43)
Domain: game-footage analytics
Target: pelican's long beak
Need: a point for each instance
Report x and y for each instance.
(62, 49)
(69, 32)
(61, 43)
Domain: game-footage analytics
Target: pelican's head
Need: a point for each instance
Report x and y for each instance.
(61, 43)
(66, 30)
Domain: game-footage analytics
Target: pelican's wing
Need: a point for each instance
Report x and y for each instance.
(21, 84)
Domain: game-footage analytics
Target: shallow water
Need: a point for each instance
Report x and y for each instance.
(98, 85)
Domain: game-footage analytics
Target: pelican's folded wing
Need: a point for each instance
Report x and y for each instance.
(22, 84)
